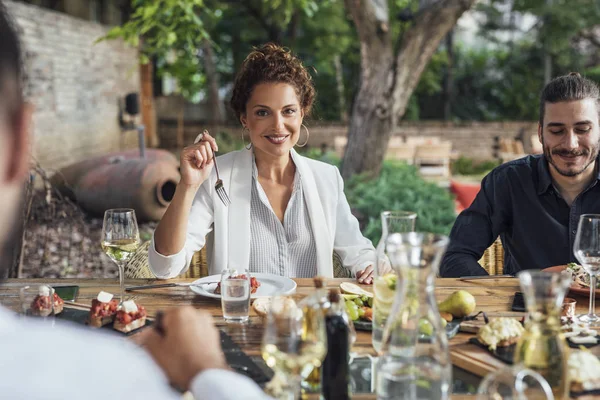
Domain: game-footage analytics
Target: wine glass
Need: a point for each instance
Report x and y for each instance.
(294, 342)
(587, 252)
(120, 239)
(514, 382)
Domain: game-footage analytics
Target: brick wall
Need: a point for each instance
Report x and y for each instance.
(472, 139)
(73, 84)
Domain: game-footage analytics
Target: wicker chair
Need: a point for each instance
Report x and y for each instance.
(138, 268)
(493, 258)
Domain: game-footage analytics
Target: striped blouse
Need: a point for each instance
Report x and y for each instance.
(286, 249)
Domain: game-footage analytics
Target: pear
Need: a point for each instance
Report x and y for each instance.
(460, 304)
(446, 316)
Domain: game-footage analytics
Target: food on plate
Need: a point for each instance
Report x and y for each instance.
(460, 304)
(500, 332)
(130, 317)
(359, 307)
(41, 304)
(103, 310)
(580, 277)
(579, 333)
(254, 284)
(584, 371)
(262, 305)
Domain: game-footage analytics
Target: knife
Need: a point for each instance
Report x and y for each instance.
(166, 285)
(477, 277)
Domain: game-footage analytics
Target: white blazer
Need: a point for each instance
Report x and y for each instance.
(333, 225)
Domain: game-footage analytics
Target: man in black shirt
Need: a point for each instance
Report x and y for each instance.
(534, 203)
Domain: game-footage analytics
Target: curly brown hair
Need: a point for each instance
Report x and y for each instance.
(271, 63)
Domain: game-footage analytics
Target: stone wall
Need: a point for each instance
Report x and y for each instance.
(73, 84)
(471, 139)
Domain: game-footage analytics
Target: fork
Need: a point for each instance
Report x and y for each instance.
(219, 184)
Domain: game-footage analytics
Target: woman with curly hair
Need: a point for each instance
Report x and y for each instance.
(288, 213)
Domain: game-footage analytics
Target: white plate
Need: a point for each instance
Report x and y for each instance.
(270, 285)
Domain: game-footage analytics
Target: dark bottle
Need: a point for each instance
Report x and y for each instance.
(335, 377)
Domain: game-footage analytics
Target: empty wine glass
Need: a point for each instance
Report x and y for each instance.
(120, 239)
(514, 383)
(587, 252)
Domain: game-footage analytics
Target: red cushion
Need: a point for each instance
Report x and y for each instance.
(465, 192)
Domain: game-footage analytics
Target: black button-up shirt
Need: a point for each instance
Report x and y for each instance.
(519, 203)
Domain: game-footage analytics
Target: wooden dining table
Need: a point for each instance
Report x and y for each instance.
(493, 296)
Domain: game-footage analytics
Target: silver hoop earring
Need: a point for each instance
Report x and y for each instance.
(249, 145)
(307, 136)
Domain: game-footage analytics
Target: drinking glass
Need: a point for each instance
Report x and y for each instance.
(385, 278)
(587, 252)
(235, 295)
(292, 340)
(120, 239)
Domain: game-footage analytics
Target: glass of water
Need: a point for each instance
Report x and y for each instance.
(235, 294)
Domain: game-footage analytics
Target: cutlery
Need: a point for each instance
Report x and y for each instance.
(166, 285)
(219, 184)
(478, 277)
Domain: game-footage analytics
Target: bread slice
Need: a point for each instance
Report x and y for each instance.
(44, 312)
(99, 322)
(133, 325)
(261, 306)
(58, 308)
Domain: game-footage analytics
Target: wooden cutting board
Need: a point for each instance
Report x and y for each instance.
(474, 359)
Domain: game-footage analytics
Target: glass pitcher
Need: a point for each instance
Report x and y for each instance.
(384, 282)
(415, 363)
(542, 347)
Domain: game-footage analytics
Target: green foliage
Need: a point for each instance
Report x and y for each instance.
(498, 84)
(428, 89)
(228, 143)
(502, 76)
(468, 166)
(399, 187)
(170, 31)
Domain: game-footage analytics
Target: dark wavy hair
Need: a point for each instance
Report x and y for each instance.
(569, 87)
(271, 63)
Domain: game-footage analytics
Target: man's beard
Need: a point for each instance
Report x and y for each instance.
(562, 152)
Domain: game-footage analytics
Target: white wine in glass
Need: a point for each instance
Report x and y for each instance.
(290, 344)
(120, 239)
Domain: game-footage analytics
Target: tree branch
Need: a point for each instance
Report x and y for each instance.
(430, 26)
(371, 18)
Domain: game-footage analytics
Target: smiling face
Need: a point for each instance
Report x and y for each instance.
(570, 136)
(273, 117)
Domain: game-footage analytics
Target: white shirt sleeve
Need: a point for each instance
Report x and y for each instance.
(199, 225)
(220, 384)
(355, 250)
